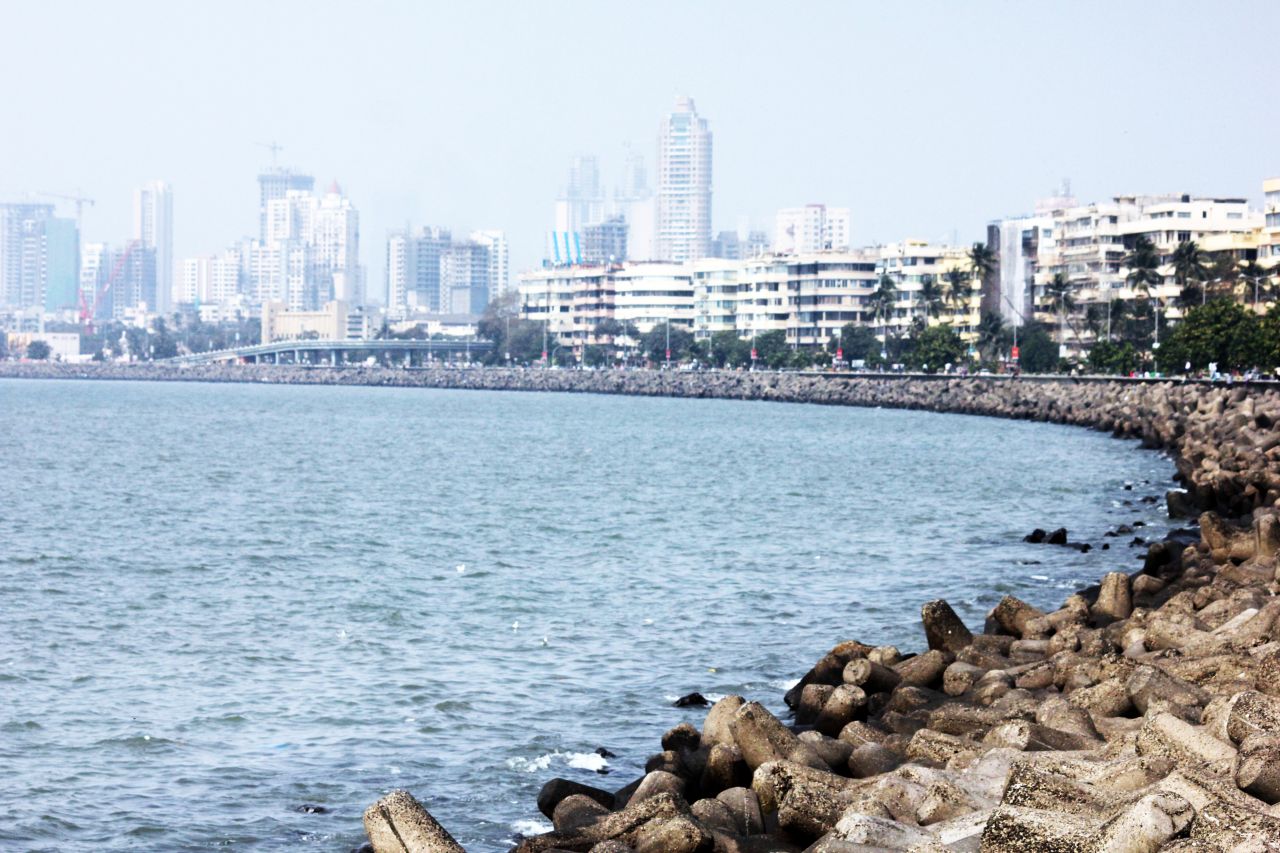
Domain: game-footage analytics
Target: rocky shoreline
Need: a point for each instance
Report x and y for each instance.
(1142, 715)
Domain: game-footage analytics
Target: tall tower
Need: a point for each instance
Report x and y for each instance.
(275, 185)
(684, 185)
(153, 228)
(582, 202)
(39, 258)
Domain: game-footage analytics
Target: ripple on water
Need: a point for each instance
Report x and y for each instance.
(261, 627)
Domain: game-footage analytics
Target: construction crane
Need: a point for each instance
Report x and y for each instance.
(88, 312)
(80, 200)
(273, 148)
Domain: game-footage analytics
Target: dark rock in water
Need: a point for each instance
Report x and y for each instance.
(604, 753)
(1139, 524)
(363, 848)
(1149, 499)
(1128, 487)
(691, 700)
(1082, 547)
(1035, 537)
(1126, 503)
(1058, 537)
(311, 808)
(1181, 505)
(1137, 540)
(1106, 546)
(1124, 528)
(557, 789)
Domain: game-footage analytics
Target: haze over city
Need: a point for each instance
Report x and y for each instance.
(651, 427)
(925, 120)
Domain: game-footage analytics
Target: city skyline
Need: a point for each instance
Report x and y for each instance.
(972, 127)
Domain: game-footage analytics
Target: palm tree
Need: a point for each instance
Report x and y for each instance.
(931, 298)
(1093, 320)
(883, 301)
(1189, 264)
(959, 289)
(1143, 263)
(982, 262)
(1253, 273)
(1144, 273)
(1060, 299)
(1223, 274)
(990, 334)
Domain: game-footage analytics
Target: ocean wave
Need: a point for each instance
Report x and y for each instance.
(531, 827)
(577, 760)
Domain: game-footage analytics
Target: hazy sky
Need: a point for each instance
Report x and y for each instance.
(927, 119)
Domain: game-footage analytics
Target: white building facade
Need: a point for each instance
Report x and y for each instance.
(153, 228)
(684, 185)
(812, 228)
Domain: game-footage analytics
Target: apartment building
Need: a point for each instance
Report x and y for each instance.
(807, 297)
(909, 264)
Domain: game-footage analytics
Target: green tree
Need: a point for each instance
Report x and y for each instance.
(1190, 269)
(934, 348)
(164, 346)
(931, 296)
(1222, 277)
(1095, 319)
(608, 328)
(1062, 302)
(728, 350)
(653, 344)
(1037, 351)
(1220, 332)
(959, 290)
(38, 351)
(990, 335)
(597, 356)
(1113, 358)
(1270, 325)
(883, 300)
(771, 349)
(1257, 283)
(982, 262)
(1143, 263)
(859, 342)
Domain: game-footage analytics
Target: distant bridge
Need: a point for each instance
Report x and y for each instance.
(391, 352)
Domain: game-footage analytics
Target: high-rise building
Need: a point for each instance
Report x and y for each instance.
(605, 242)
(95, 266)
(812, 228)
(211, 279)
(153, 229)
(335, 236)
(309, 251)
(62, 264)
(581, 202)
(116, 281)
(495, 242)
(413, 269)
(684, 185)
(635, 202)
(274, 185)
(39, 258)
(739, 245)
(464, 278)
